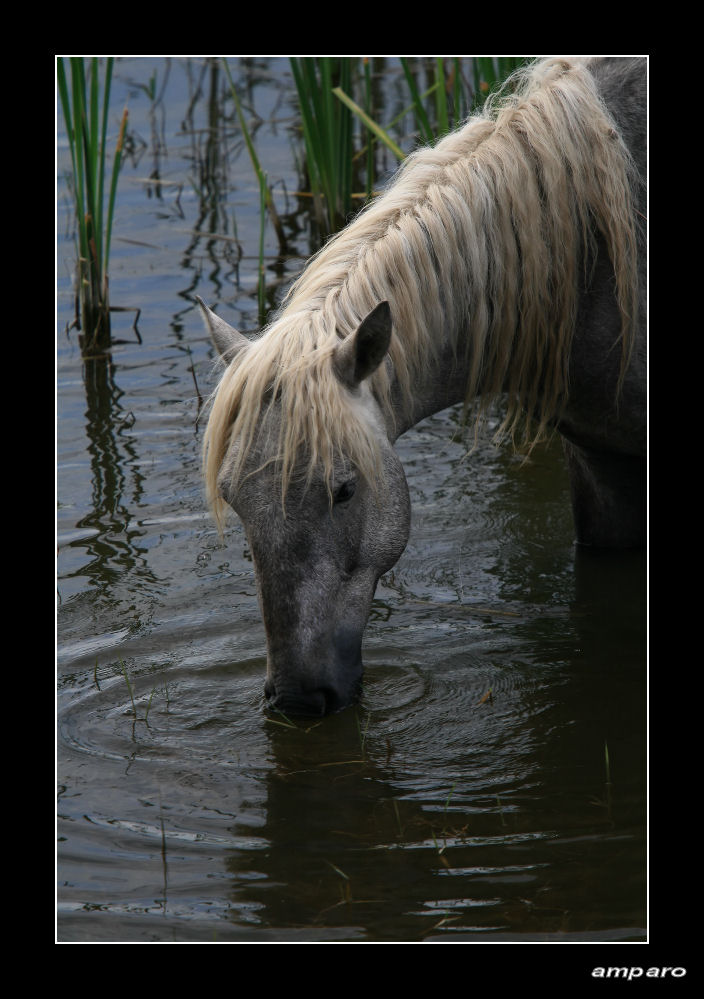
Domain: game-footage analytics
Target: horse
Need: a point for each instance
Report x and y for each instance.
(507, 261)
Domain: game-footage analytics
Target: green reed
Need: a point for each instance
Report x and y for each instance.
(334, 149)
(86, 120)
(264, 190)
(267, 199)
(490, 72)
(123, 670)
(458, 87)
(328, 133)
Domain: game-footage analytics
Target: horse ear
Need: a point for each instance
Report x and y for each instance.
(227, 340)
(359, 355)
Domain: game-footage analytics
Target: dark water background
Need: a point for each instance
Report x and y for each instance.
(468, 797)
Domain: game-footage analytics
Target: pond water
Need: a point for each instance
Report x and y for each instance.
(490, 785)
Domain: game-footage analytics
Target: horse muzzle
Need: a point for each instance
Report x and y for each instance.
(314, 697)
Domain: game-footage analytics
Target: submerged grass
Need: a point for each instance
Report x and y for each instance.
(130, 690)
(86, 120)
(123, 670)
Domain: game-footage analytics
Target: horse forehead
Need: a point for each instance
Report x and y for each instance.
(256, 487)
(264, 446)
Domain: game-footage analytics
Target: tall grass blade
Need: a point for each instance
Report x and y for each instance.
(261, 280)
(261, 176)
(457, 85)
(117, 162)
(607, 762)
(123, 670)
(327, 134)
(422, 120)
(369, 174)
(371, 125)
(441, 98)
(86, 128)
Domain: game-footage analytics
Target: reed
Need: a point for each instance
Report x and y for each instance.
(328, 134)
(489, 72)
(371, 125)
(334, 148)
(86, 121)
(264, 190)
(457, 88)
(267, 199)
(123, 670)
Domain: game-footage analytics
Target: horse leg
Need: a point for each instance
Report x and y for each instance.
(608, 497)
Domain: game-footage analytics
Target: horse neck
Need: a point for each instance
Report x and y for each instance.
(435, 387)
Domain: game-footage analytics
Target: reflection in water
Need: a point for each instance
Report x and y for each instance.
(611, 600)
(210, 159)
(497, 788)
(109, 452)
(457, 815)
(345, 847)
(215, 152)
(109, 534)
(354, 841)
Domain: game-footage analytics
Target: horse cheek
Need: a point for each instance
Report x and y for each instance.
(389, 521)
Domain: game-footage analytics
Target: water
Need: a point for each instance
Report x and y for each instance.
(469, 796)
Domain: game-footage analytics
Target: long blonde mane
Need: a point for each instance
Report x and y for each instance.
(479, 239)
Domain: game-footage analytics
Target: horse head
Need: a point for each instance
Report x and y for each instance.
(319, 546)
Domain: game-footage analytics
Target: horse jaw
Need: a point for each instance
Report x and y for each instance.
(228, 341)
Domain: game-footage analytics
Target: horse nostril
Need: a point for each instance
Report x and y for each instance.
(318, 702)
(334, 701)
(302, 703)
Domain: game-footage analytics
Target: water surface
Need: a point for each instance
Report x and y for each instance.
(468, 796)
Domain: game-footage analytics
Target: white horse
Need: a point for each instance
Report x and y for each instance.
(506, 260)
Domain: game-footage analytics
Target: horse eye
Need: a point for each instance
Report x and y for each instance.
(345, 491)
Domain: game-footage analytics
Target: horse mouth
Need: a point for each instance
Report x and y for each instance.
(310, 703)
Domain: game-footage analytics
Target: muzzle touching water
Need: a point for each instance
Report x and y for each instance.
(313, 700)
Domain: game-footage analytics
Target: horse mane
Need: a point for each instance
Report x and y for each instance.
(481, 240)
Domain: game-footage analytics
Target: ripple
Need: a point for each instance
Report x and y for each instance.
(91, 646)
(393, 686)
(207, 715)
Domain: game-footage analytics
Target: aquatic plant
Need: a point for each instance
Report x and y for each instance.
(328, 134)
(266, 197)
(324, 86)
(86, 121)
(339, 154)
